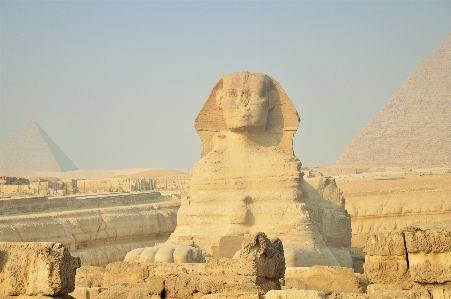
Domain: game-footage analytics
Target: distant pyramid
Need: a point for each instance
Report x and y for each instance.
(32, 149)
(414, 126)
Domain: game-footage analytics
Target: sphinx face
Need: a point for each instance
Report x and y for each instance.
(245, 101)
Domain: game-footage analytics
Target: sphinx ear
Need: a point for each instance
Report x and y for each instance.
(273, 98)
(219, 96)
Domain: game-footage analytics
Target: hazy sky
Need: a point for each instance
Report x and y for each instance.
(118, 84)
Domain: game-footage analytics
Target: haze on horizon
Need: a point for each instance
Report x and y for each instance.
(118, 84)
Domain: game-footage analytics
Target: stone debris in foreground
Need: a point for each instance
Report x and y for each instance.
(327, 279)
(258, 269)
(36, 269)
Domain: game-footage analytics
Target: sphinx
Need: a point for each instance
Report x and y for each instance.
(248, 179)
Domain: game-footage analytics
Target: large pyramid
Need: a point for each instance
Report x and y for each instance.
(32, 149)
(414, 126)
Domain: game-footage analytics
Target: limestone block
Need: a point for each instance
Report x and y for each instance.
(386, 243)
(262, 257)
(440, 293)
(294, 294)
(386, 259)
(37, 297)
(133, 291)
(89, 276)
(166, 253)
(338, 295)
(429, 254)
(189, 286)
(85, 292)
(127, 272)
(244, 295)
(161, 269)
(327, 279)
(36, 269)
(394, 294)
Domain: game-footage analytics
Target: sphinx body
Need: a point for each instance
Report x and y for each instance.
(248, 179)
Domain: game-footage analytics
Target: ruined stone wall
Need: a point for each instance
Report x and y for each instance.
(98, 229)
(33, 204)
(409, 257)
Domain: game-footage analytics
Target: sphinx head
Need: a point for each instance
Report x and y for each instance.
(245, 100)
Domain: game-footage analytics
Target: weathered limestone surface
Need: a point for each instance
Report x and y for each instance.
(382, 212)
(97, 235)
(258, 268)
(386, 259)
(415, 259)
(413, 128)
(395, 202)
(326, 279)
(294, 294)
(244, 295)
(85, 293)
(392, 294)
(153, 289)
(38, 297)
(38, 204)
(36, 269)
(248, 179)
(429, 254)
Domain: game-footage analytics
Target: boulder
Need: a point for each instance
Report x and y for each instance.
(36, 269)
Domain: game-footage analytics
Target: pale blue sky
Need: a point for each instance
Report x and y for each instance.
(118, 84)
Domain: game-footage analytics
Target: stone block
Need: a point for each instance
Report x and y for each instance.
(89, 276)
(386, 258)
(36, 269)
(244, 295)
(326, 279)
(189, 286)
(85, 292)
(126, 272)
(261, 257)
(294, 294)
(132, 291)
(429, 254)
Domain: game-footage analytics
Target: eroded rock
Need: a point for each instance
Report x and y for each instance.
(36, 269)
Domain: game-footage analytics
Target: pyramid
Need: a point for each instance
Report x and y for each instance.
(414, 126)
(32, 149)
